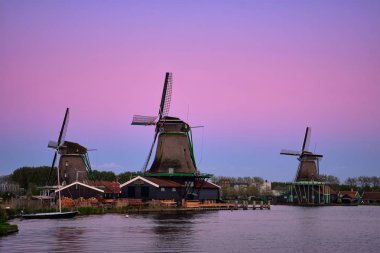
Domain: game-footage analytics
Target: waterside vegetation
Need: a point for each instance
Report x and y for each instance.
(6, 228)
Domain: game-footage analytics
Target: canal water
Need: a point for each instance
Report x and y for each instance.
(282, 229)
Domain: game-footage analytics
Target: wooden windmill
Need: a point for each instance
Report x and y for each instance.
(308, 168)
(174, 159)
(174, 152)
(74, 164)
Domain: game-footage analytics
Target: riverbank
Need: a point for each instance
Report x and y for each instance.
(6, 228)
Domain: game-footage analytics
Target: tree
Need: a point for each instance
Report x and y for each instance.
(126, 176)
(104, 175)
(351, 181)
(38, 176)
(375, 182)
(330, 179)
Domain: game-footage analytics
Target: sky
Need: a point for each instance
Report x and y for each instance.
(254, 73)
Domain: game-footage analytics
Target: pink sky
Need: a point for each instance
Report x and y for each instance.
(255, 73)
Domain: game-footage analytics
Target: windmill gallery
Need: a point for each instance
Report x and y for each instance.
(171, 177)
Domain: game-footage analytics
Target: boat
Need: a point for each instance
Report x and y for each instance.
(53, 215)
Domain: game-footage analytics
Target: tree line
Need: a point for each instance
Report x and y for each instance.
(29, 178)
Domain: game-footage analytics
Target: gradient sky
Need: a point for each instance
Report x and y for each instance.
(255, 73)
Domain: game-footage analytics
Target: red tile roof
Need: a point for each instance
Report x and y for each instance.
(205, 185)
(108, 187)
(163, 182)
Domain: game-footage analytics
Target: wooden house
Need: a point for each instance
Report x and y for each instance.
(158, 188)
(348, 197)
(370, 197)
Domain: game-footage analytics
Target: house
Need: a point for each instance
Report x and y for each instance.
(370, 197)
(348, 197)
(111, 189)
(158, 188)
(77, 190)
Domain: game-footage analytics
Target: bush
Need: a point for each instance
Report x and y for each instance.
(3, 216)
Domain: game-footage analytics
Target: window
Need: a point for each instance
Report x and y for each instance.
(162, 189)
(174, 189)
(144, 191)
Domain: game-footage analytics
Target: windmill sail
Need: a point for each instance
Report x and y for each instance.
(143, 120)
(289, 152)
(56, 145)
(62, 133)
(306, 141)
(150, 152)
(166, 96)
(162, 112)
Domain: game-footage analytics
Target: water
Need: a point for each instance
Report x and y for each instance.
(282, 229)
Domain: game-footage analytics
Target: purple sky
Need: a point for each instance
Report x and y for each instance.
(255, 73)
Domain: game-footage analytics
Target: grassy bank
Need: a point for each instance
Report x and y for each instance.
(6, 228)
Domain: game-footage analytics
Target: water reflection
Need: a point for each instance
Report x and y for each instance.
(283, 229)
(174, 232)
(67, 238)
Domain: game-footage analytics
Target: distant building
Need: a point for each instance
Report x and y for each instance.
(239, 185)
(370, 197)
(348, 197)
(149, 188)
(111, 189)
(10, 187)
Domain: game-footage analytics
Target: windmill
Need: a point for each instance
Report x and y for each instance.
(174, 152)
(173, 173)
(308, 168)
(74, 163)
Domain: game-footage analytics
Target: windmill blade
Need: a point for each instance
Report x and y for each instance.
(52, 166)
(150, 151)
(166, 96)
(312, 155)
(62, 133)
(289, 152)
(53, 144)
(306, 140)
(143, 120)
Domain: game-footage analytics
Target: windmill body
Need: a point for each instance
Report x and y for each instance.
(174, 152)
(73, 163)
(307, 169)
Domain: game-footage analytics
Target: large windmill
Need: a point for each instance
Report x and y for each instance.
(308, 168)
(307, 188)
(174, 152)
(73, 163)
(174, 162)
